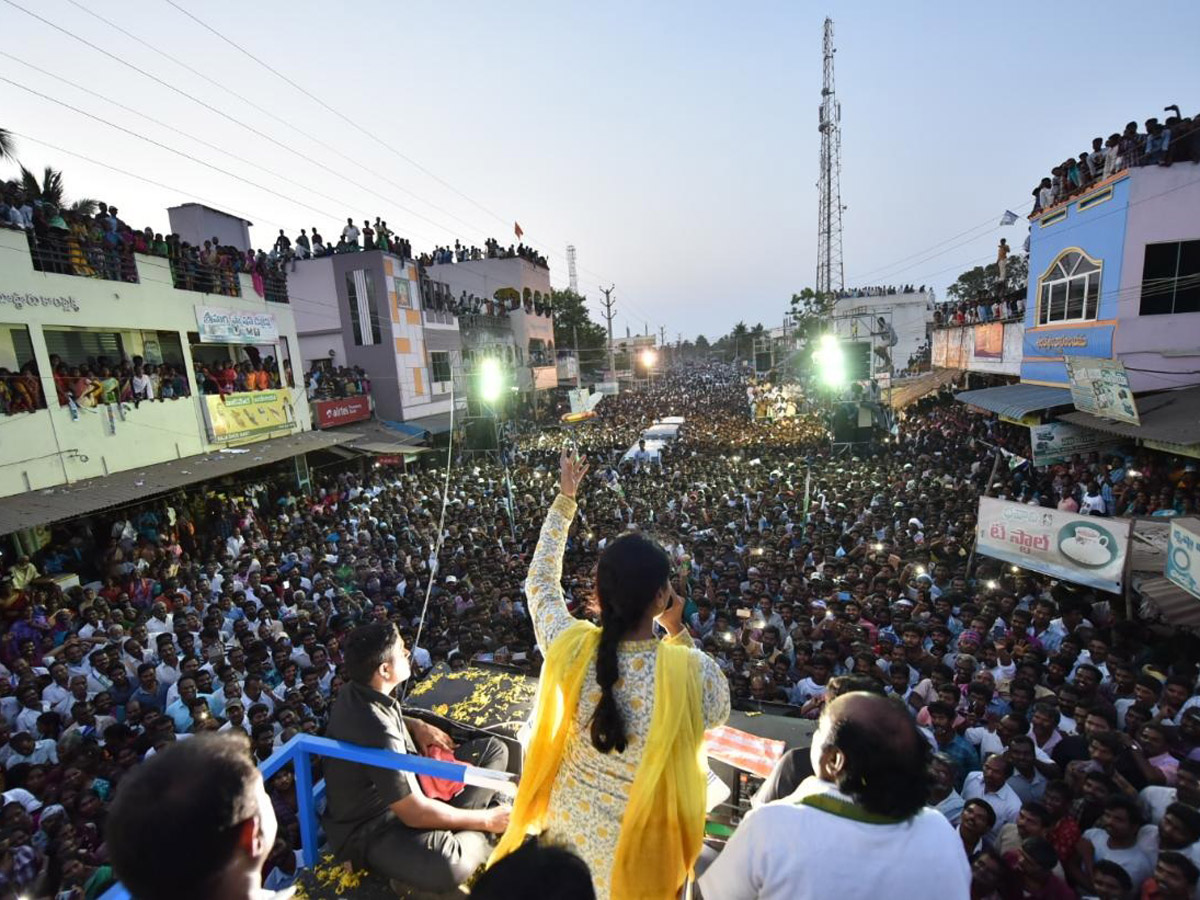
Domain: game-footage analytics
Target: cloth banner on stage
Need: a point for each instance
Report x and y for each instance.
(742, 750)
(1086, 550)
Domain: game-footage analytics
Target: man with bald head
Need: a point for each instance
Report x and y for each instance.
(858, 828)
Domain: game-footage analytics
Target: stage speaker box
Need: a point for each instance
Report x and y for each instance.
(762, 361)
(845, 423)
(480, 434)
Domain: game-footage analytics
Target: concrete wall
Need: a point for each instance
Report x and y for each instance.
(197, 223)
(1164, 205)
(966, 349)
(49, 447)
(314, 301)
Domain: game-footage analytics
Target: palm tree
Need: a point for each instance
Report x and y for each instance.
(50, 190)
(8, 147)
(739, 331)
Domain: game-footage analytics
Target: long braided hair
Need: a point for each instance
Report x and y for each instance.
(629, 574)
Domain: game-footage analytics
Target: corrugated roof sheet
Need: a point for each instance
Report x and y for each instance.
(70, 501)
(1172, 416)
(1176, 605)
(910, 390)
(1016, 400)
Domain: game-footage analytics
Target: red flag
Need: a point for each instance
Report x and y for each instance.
(517, 229)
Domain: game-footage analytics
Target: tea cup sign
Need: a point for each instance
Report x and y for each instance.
(1088, 545)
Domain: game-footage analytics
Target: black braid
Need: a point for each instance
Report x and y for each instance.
(608, 725)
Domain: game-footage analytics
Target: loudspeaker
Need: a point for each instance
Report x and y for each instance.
(858, 360)
(845, 423)
(762, 361)
(480, 434)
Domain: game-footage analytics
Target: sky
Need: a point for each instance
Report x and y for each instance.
(673, 144)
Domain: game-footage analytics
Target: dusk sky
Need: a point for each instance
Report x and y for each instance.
(674, 144)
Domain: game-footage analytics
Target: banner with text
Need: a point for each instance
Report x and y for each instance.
(1085, 550)
(1057, 442)
(331, 413)
(237, 418)
(1101, 387)
(1183, 555)
(218, 325)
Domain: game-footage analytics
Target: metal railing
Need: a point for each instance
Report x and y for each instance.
(299, 752)
(191, 275)
(60, 253)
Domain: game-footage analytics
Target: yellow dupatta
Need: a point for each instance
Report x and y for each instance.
(663, 826)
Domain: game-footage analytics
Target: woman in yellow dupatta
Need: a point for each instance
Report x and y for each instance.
(615, 769)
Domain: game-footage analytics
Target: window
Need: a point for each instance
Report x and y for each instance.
(1171, 278)
(439, 366)
(1069, 291)
(364, 316)
(85, 348)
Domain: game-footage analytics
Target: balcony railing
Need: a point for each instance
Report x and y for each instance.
(299, 752)
(64, 253)
(190, 275)
(949, 322)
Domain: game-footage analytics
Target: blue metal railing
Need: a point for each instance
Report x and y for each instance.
(299, 752)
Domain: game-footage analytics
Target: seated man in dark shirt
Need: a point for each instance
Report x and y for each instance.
(380, 818)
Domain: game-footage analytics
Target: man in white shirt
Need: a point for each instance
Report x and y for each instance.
(992, 786)
(859, 828)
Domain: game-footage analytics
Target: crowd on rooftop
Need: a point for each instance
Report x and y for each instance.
(100, 244)
(974, 312)
(1174, 140)
(491, 249)
(1054, 717)
(880, 290)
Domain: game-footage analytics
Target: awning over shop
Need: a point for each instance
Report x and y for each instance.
(385, 438)
(1016, 400)
(56, 504)
(1177, 606)
(436, 424)
(1172, 417)
(910, 390)
(409, 428)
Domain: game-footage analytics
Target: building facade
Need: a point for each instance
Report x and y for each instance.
(82, 329)
(533, 331)
(368, 309)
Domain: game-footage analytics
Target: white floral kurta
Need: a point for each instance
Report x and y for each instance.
(592, 788)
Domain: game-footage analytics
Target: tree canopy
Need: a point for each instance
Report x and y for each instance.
(571, 319)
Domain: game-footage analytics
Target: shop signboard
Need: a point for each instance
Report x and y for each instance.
(332, 413)
(240, 418)
(1183, 555)
(218, 325)
(1101, 387)
(1086, 550)
(1056, 442)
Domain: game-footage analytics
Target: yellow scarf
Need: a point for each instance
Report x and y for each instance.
(663, 826)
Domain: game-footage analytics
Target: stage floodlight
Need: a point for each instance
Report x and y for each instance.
(830, 361)
(649, 358)
(491, 380)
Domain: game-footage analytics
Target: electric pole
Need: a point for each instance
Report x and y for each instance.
(578, 363)
(609, 302)
(662, 339)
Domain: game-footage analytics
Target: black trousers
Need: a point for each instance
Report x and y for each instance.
(439, 861)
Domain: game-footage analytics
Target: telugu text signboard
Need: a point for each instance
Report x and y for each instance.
(1183, 555)
(1087, 550)
(218, 325)
(237, 418)
(1056, 442)
(1101, 387)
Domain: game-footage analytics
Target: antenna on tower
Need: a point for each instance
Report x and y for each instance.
(830, 273)
(571, 274)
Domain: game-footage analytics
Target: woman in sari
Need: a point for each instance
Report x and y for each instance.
(85, 388)
(109, 387)
(77, 239)
(614, 770)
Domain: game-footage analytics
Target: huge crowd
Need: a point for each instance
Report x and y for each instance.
(1067, 737)
(1174, 140)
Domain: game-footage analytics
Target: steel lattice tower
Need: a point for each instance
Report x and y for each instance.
(830, 273)
(573, 278)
